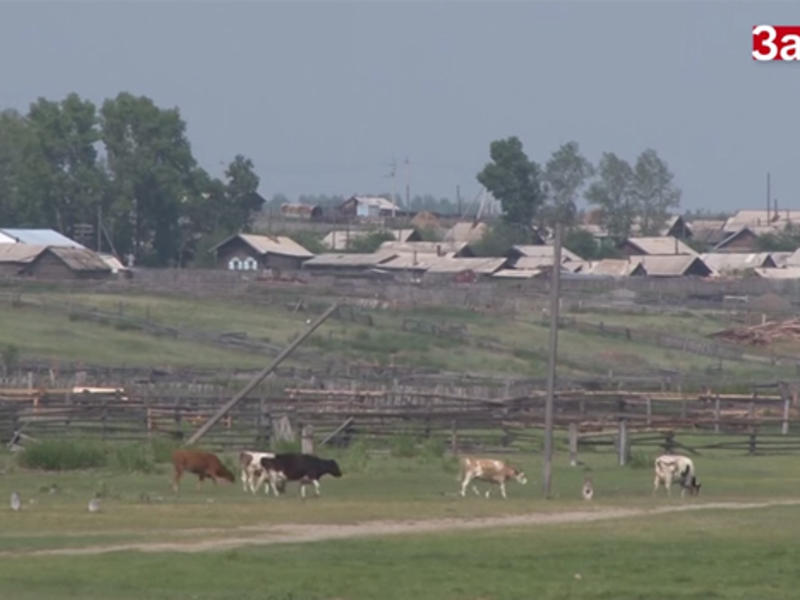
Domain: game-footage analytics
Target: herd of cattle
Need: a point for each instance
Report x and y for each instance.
(274, 470)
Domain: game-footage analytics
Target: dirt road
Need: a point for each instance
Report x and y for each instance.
(301, 533)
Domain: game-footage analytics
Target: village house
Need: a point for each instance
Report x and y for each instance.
(636, 246)
(342, 239)
(51, 262)
(368, 208)
(250, 252)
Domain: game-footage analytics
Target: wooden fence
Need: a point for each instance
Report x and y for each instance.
(766, 420)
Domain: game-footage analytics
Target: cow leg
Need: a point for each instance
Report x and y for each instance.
(503, 490)
(656, 483)
(245, 480)
(303, 489)
(475, 489)
(316, 486)
(177, 478)
(465, 483)
(262, 477)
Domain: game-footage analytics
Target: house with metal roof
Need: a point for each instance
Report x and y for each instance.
(36, 237)
(730, 263)
(368, 207)
(635, 246)
(51, 262)
(250, 252)
(676, 265)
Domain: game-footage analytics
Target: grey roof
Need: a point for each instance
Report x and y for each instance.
(517, 273)
(544, 251)
(338, 239)
(483, 265)
(670, 265)
(19, 253)
(615, 267)
(466, 231)
(434, 248)
(348, 260)
(270, 244)
(727, 262)
(411, 262)
(787, 273)
(40, 237)
(79, 259)
(660, 245)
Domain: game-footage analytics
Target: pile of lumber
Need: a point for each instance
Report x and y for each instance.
(762, 334)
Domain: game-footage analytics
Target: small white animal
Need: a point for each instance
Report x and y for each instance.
(94, 505)
(16, 502)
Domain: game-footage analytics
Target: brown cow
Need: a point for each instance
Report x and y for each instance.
(202, 464)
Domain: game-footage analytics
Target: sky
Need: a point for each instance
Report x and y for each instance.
(325, 96)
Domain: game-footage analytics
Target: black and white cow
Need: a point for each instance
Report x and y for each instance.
(674, 466)
(304, 468)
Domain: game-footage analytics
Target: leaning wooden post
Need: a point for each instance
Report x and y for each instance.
(260, 376)
(307, 439)
(623, 442)
(573, 444)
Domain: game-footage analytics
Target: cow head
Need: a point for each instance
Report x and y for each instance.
(225, 474)
(694, 487)
(333, 468)
(519, 476)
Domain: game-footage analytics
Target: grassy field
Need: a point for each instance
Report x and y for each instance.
(496, 344)
(712, 553)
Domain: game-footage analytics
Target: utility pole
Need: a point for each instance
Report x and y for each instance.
(458, 200)
(551, 363)
(769, 199)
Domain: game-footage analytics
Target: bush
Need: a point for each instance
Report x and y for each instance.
(133, 457)
(356, 458)
(61, 455)
(640, 460)
(162, 449)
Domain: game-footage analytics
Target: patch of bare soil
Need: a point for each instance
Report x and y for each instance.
(301, 533)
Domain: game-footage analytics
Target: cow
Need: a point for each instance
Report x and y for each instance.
(252, 473)
(305, 468)
(202, 464)
(488, 469)
(671, 466)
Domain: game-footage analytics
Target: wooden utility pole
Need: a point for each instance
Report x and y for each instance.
(259, 377)
(551, 364)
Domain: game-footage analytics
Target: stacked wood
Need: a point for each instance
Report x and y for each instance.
(762, 334)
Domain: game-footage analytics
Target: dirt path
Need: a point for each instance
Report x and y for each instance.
(299, 533)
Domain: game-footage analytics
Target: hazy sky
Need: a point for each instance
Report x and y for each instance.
(322, 96)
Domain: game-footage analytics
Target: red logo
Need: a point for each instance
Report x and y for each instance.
(776, 42)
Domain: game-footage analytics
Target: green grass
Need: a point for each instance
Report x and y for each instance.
(711, 553)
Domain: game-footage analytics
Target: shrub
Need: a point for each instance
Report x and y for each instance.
(356, 458)
(162, 449)
(134, 457)
(640, 460)
(60, 455)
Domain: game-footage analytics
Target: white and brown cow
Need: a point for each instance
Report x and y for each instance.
(669, 467)
(488, 469)
(253, 474)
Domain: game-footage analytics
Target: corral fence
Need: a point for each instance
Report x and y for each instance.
(766, 420)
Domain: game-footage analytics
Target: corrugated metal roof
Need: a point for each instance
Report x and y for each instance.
(40, 237)
(270, 244)
(19, 253)
(725, 262)
(787, 273)
(79, 259)
(660, 245)
(376, 201)
(669, 265)
(544, 251)
(433, 248)
(338, 239)
(517, 273)
(482, 266)
(349, 260)
(615, 267)
(418, 262)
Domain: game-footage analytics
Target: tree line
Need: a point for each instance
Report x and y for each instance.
(535, 197)
(125, 168)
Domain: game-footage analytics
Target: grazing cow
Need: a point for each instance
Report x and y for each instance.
(488, 469)
(253, 474)
(202, 464)
(304, 468)
(671, 466)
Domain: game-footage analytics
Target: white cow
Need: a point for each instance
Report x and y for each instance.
(675, 466)
(253, 474)
(488, 469)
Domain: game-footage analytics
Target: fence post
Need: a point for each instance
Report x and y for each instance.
(573, 444)
(716, 413)
(453, 438)
(622, 442)
(752, 443)
(648, 402)
(784, 389)
(307, 439)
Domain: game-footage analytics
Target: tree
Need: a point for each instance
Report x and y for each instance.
(499, 239)
(565, 173)
(151, 170)
(654, 191)
(613, 193)
(61, 180)
(13, 133)
(242, 193)
(514, 180)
